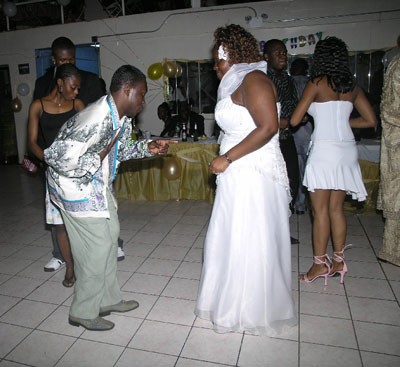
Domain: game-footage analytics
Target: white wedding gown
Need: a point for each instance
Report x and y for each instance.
(246, 278)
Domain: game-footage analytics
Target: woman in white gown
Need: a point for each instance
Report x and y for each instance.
(246, 278)
(332, 168)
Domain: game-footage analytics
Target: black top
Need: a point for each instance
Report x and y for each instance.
(90, 91)
(50, 124)
(286, 89)
(169, 128)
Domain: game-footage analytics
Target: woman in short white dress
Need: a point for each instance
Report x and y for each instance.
(246, 278)
(332, 169)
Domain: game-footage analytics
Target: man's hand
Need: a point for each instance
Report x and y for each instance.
(160, 147)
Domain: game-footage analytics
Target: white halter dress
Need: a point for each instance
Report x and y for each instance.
(246, 278)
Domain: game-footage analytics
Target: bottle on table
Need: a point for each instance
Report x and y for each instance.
(135, 131)
(195, 133)
(177, 131)
(184, 135)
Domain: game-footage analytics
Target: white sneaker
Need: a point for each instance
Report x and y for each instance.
(54, 264)
(121, 254)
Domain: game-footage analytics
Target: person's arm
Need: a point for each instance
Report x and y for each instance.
(258, 95)
(291, 101)
(306, 99)
(367, 116)
(35, 110)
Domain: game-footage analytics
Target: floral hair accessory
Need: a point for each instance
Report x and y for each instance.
(222, 54)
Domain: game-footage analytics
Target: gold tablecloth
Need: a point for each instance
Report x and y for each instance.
(143, 179)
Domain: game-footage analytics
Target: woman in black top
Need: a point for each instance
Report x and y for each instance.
(46, 116)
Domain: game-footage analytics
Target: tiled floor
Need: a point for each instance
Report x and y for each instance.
(357, 324)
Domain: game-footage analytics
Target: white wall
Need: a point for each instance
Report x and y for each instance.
(144, 39)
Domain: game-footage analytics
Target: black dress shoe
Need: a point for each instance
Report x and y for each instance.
(294, 241)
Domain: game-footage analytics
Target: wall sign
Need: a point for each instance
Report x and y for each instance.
(23, 69)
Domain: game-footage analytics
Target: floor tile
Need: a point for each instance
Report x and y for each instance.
(84, 352)
(267, 352)
(382, 360)
(41, 349)
(327, 331)
(13, 265)
(179, 240)
(206, 345)
(369, 288)
(139, 358)
(7, 302)
(182, 288)
(177, 311)
(322, 304)
(19, 286)
(146, 283)
(10, 337)
(159, 267)
(169, 253)
(28, 313)
(160, 337)
(313, 355)
(364, 270)
(51, 292)
(5, 363)
(378, 338)
(130, 263)
(186, 362)
(189, 270)
(375, 310)
(392, 272)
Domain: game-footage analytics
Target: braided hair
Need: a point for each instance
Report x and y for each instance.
(241, 45)
(331, 59)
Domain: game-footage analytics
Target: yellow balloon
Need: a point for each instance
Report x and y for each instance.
(155, 71)
(171, 169)
(170, 69)
(179, 70)
(16, 104)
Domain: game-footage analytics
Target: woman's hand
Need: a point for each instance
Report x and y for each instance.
(219, 164)
(160, 147)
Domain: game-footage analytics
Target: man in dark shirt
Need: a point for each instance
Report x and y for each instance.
(63, 52)
(190, 118)
(275, 54)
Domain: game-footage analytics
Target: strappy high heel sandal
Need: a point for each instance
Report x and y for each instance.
(338, 256)
(320, 260)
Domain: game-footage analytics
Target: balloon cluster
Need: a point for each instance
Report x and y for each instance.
(170, 69)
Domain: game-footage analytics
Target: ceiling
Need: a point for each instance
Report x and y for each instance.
(39, 13)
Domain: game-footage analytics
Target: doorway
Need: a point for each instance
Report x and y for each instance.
(8, 138)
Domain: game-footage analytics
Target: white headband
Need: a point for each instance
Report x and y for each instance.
(222, 54)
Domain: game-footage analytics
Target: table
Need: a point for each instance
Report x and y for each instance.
(143, 179)
(369, 150)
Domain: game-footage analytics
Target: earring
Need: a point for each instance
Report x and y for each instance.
(60, 89)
